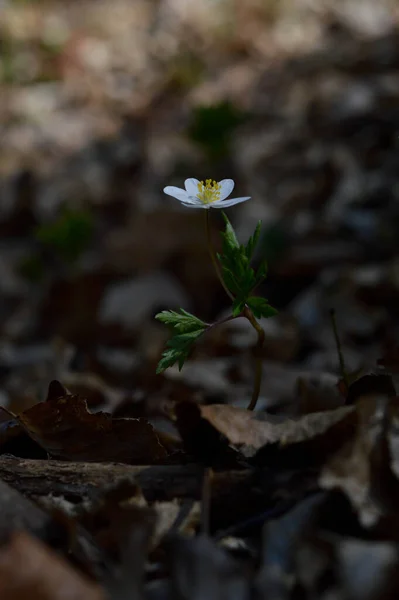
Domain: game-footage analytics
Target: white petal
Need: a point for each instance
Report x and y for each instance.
(191, 186)
(199, 205)
(226, 187)
(193, 202)
(231, 202)
(176, 193)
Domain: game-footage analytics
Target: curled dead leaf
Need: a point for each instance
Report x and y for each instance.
(248, 432)
(65, 428)
(366, 466)
(370, 385)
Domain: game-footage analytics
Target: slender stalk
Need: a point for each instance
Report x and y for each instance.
(247, 313)
(221, 322)
(258, 359)
(344, 373)
(213, 255)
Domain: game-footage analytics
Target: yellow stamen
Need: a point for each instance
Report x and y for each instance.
(208, 191)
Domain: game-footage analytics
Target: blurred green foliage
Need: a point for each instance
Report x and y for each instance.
(211, 127)
(32, 268)
(69, 235)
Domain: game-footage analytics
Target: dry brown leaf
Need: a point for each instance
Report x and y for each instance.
(370, 385)
(364, 468)
(28, 569)
(65, 428)
(248, 432)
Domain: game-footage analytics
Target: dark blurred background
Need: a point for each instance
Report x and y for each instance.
(103, 103)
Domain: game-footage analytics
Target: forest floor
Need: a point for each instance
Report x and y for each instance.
(119, 483)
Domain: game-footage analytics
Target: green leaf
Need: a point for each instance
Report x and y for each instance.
(177, 350)
(187, 328)
(253, 241)
(235, 259)
(229, 234)
(238, 307)
(260, 307)
(261, 273)
(183, 322)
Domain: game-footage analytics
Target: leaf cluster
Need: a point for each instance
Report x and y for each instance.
(238, 274)
(186, 329)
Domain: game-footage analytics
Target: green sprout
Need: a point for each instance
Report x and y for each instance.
(236, 274)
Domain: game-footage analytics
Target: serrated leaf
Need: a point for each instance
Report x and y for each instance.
(238, 307)
(238, 275)
(253, 241)
(261, 273)
(178, 349)
(183, 322)
(229, 233)
(260, 307)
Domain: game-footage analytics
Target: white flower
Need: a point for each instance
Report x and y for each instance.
(205, 194)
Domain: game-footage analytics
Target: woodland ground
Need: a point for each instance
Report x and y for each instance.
(119, 483)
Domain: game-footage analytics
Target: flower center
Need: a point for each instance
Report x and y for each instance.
(208, 191)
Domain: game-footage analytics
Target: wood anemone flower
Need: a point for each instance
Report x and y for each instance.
(205, 194)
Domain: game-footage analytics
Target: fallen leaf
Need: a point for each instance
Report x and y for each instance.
(248, 432)
(28, 569)
(364, 467)
(370, 385)
(65, 428)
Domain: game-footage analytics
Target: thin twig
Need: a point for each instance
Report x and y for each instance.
(343, 370)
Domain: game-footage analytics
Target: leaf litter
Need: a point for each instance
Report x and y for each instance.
(102, 490)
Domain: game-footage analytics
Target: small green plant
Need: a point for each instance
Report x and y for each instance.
(69, 235)
(212, 126)
(64, 240)
(235, 271)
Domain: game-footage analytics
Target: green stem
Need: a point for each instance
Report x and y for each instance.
(247, 312)
(221, 322)
(213, 255)
(258, 359)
